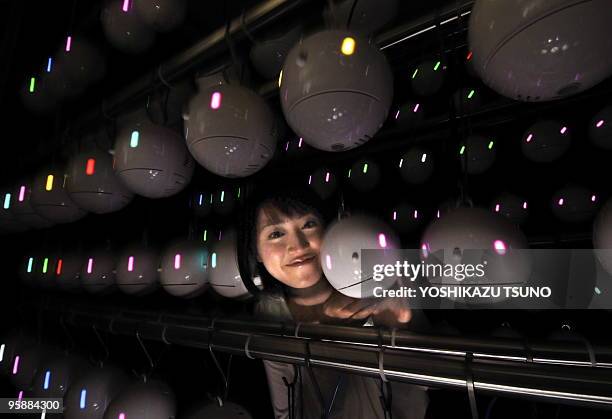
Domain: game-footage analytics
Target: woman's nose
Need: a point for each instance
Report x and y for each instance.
(298, 241)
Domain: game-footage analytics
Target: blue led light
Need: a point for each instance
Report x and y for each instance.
(83, 398)
(47, 379)
(49, 64)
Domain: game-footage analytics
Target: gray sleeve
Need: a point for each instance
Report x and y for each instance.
(275, 371)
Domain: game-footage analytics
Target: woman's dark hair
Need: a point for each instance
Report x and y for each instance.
(288, 200)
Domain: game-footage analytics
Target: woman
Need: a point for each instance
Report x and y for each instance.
(280, 241)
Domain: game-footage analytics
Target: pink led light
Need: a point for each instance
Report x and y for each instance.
(560, 201)
(394, 215)
(563, 130)
(500, 247)
(215, 100)
(600, 123)
(16, 365)
(90, 265)
(20, 396)
(593, 198)
(438, 214)
(496, 207)
(382, 240)
(529, 137)
(121, 416)
(300, 143)
(287, 146)
(416, 214)
(425, 249)
(177, 261)
(397, 114)
(416, 108)
(126, 5)
(525, 205)
(326, 177)
(68, 43)
(328, 261)
(22, 193)
(130, 263)
(309, 179)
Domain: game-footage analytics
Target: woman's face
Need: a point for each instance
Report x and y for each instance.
(289, 246)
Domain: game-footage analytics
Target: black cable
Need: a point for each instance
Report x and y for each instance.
(350, 17)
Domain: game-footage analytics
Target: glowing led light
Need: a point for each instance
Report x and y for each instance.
(200, 200)
(83, 398)
(16, 365)
(121, 416)
(47, 379)
(49, 64)
(90, 169)
(401, 162)
(45, 265)
(416, 108)
(90, 265)
(22, 193)
(7, 201)
(397, 114)
(43, 415)
(597, 291)
(310, 179)
(348, 46)
(130, 263)
(424, 249)
(205, 233)
(68, 43)
(287, 146)
(469, 56)
(560, 201)
(134, 139)
(326, 177)
(58, 270)
(437, 66)
(30, 263)
(500, 247)
(423, 157)
(280, 78)
(215, 100)
(213, 260)
(349, 173)
(471, 94)
(328, 261)
(496, 207)
(529, 137)
(563, 130)
(438, 214)
(599, 123)
(416, 71)
(416, 214)
(177, 261)
(382, 240)
(300, 143)
(491, 144)
(49, 184)
(126, 5)
(593, 198)
(238, 192)
(525, 205)
(32, 84)
(365, 168)
(211, 198)
(394, 215)
(20, 396)
(222, 195)
(2, 352)
(462, 150)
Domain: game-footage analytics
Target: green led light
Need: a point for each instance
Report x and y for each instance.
(471, 94)
(349, 174)
(213, 262)
(222, 195)
(30, 263)
(238, 193)
(437, 66)
(45, 265)
(462, 150)
(491, 144)
(365, 168)
(205, 233)
(134, 139)
(211, 198)
(32, 84)
(597, 291)
(416, 70)
(7, 201)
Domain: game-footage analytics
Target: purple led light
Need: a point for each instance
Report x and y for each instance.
(382, 240)
(397, 114)
(90, 265)
(326, 177)
(416, 214)
(500, 247)
(215, 100)
(438, 214)
(309, 179)
(416, 108)
(130, 263)
(563, 130)
(126, 5)
(529, 137)
(394, 215)
(121, 416)
(16, 365)
(177, 261)
(425, 249)
(22, 193)
(525, 205)
(593, 198)
(496, 207)
(287, 146)
(560, 202)
(300, 143)
(20, 396)
(600, 123)
(68, 43)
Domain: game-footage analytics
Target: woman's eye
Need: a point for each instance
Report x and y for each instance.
(275, 235)
(310, 224)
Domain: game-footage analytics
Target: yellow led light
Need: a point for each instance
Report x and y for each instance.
(348, 46)
(280, 78)
(49, 185)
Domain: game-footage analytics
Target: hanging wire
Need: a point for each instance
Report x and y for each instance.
(350, 16)
(230, 44)
(106, 351)
(225, 376)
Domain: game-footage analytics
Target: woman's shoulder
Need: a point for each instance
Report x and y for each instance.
(272, 305)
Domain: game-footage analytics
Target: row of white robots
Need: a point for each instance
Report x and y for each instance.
(94, 392)
(186, 268)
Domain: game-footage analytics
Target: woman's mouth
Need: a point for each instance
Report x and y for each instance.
(302, 261)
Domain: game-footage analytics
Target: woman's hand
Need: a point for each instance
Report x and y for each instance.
(390, 312)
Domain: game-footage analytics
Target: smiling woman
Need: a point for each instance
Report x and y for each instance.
(279, 241)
